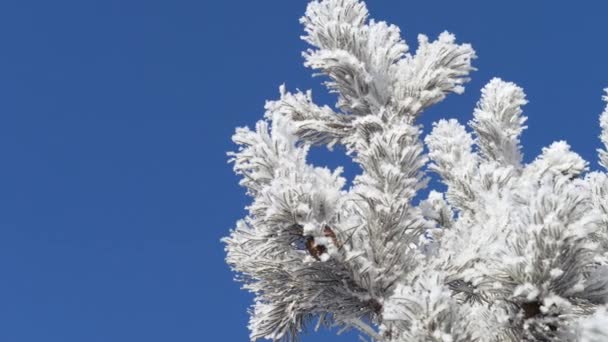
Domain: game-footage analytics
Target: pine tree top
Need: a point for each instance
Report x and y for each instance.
(510, 251)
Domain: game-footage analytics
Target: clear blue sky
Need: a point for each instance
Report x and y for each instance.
(115, 116)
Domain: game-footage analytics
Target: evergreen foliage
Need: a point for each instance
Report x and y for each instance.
(509, 252)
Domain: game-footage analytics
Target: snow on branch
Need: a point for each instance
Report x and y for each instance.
(438, 68)
(450, 149)
(286, 249)
(498, 122)
(508, 252)
(548, 256)
(558, 159)
(427, 311)
(357, 56)
(311, 123)
(382, 195)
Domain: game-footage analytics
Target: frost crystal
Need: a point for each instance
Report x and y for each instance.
(509, 252)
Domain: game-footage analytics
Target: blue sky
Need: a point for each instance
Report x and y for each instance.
(115, 117)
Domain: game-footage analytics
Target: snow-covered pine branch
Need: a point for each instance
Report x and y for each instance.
(509, 252)
(497, 122)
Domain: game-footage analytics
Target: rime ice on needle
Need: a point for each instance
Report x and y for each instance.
(510, 252)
